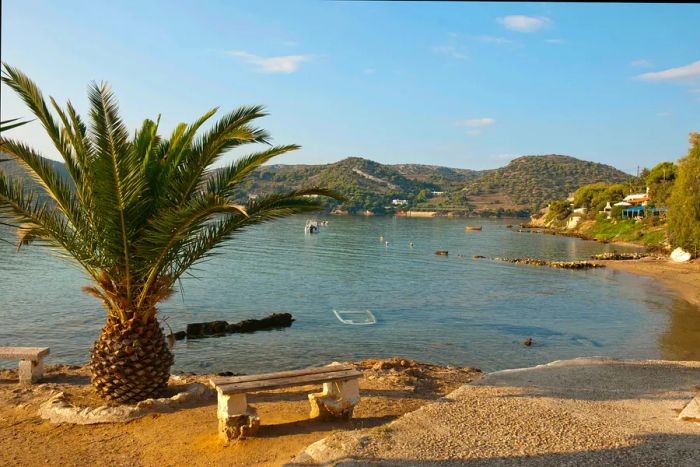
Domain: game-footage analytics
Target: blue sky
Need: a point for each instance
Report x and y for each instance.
(462, 85)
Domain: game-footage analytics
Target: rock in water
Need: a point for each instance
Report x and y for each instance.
(210, 328)
(442, 253)
(180, 335)
(527, 342)
(275, 320)
(220, 328)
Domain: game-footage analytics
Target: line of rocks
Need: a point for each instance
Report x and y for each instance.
(552, 264)
(620, 256)
(222, 328)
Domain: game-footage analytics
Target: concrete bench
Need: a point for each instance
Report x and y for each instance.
(31, 361)
(237, 419)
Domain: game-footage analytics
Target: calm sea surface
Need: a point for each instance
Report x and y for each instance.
(450, 310)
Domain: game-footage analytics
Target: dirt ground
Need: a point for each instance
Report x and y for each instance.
(390, 388)
(683, 278)
(580, 412)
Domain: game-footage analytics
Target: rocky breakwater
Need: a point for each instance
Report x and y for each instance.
(222, 328)
(615, 256)
(553, 264)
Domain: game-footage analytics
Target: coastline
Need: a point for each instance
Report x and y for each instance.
(682, 278)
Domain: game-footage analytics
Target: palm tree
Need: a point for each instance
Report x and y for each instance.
(135, 214)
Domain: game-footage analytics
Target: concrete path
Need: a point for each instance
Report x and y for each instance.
(588, 411)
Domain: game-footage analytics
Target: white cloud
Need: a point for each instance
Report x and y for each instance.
(523, 23)
(281, 64)
(450, 51)
(477, 122)
(494, 40)
(690, 72)
(641, 63)
(473, 132)
(555, 41)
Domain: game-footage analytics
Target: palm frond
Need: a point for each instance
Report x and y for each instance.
(263, 209)
(225, 180)
(11, 123)
(31, 95)
(136, 211)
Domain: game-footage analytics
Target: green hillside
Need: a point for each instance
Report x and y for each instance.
(532, 181)
(524, 184)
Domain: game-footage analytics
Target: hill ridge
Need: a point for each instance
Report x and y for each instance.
(524, 184)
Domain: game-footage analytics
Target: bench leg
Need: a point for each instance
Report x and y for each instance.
(30, 371)
(237, 419)
(337, 400)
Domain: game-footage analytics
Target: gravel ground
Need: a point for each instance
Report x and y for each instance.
(589, 411)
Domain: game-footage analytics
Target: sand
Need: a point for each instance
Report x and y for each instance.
(682, 278)
(189, 436)
(584, 412)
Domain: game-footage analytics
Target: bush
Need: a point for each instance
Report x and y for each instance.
(684, 203)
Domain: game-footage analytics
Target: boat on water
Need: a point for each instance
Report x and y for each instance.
(311, 226)
(356, 317)
(472, 228)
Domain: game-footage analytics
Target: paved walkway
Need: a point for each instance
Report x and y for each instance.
(589, 411)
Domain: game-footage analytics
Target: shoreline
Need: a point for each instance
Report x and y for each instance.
(544, 230)
(681, 278)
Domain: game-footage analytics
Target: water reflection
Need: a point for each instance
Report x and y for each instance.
(681, 340)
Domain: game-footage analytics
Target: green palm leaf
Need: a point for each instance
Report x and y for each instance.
(136, 212)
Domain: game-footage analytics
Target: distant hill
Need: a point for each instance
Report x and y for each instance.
(11, 168)
(532, 181)
(526, 183)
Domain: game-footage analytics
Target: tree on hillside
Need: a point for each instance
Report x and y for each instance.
(135, 211)
(660, 180)
(684, 204)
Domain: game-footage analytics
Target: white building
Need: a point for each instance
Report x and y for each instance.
(399, 202)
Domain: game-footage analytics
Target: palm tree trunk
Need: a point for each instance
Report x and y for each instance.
(130, 361)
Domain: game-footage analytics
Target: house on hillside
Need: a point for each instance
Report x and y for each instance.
(399, 202)
(638, 198)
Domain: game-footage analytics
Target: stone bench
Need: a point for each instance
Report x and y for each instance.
(31, 361)
(237, 419)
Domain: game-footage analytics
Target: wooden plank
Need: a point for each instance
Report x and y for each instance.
(251, 386)
(279, 374)
(23, 353)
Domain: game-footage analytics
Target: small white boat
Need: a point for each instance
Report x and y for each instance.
(311, 226)
(357, 317)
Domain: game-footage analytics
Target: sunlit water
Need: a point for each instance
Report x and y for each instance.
(450, 310)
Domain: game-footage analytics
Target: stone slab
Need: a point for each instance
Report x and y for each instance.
(23, 353)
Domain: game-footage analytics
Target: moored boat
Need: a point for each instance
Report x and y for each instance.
(311, 226)
(472, 228)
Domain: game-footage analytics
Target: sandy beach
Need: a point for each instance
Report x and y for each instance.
(189, 435)
(682, 278)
